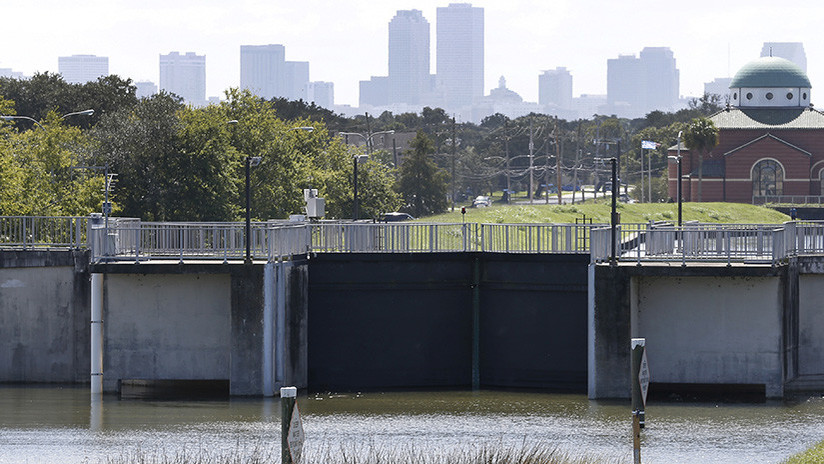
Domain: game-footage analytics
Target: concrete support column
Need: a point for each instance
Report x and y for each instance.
(97, 335)
(269, 298)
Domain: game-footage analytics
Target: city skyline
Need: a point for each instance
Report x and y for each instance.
(346, 43)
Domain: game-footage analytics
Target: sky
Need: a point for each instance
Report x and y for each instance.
(346, 41)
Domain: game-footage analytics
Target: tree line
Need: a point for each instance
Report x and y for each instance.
(169, 161)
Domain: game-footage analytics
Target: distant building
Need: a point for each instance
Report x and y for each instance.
(80, 69)
(770, 141)
(460, 54)
(8, 72)
(261, 68)
(555, 89)
(636, 86)
(265, 72)
(321, 94)
(409, 76)
(184, 76)
(504, 101)
(374, 92)
(145, 89)
(719, 86)
(793, 51)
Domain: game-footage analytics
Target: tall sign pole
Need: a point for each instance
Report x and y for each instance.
(640, 387)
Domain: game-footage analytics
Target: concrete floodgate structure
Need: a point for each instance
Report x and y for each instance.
(754, 330)
(541, 318)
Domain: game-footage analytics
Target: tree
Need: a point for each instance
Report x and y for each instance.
(701, 136)
(422, 185)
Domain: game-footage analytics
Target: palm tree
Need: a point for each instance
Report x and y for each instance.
(701, 136)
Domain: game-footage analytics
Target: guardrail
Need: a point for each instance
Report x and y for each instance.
(131, 239)
(749, 243)
(817, 200)
(43, 231)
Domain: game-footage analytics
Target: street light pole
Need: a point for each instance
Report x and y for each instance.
(29, 118)
(367, 138)
(680, 199)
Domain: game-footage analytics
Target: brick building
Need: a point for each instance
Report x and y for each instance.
(771, 140)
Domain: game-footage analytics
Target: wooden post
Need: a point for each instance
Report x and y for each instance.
(288, 395)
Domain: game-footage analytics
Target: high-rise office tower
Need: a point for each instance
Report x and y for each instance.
(460, 54)
(265, 71)
(662, 78)
(261, 69)
(636, 86)
(793, 51)
(321, 94)
(79, 69)
(408, 57)
(145, 89)
(295, 80)
(555, 88)
(184, 76)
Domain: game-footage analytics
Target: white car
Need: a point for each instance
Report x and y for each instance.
(481, 202)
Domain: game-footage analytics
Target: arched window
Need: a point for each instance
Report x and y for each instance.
(821, 179)
(767, 178)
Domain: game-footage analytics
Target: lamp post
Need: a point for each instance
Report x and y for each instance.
(29, 118)
(249, 163)
(678, 185)
(367, 138)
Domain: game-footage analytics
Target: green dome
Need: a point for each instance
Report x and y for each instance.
(770, 71)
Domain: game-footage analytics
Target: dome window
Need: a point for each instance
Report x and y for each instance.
(769, 96)
(735, 96)
(789, 95)
(749, 95)
(804, 96)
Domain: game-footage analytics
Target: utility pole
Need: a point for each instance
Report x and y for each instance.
(531, 148)
(454, 154)
(558, 162)
(506, 149)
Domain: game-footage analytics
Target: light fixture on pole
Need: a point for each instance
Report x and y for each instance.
(29, 118)
(368, 140)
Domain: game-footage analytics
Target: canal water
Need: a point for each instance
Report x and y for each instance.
(61, 425)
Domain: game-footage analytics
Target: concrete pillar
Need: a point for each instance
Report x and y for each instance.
(97, 335)
(269, 297)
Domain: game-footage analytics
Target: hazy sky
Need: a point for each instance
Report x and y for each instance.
(346, 41)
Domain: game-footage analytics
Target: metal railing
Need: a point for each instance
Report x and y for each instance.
(131, 239)
(749, 243)
(43, 231)
(817, 200)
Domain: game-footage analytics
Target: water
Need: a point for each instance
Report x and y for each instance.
(59, 425)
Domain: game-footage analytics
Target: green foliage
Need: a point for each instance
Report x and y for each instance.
(813, 455)
(422, 185)
(37, 175)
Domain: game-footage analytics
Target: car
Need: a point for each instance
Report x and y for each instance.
(396, 217)
(481, 202)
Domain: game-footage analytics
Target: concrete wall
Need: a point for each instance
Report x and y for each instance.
(811, 325)
(161, 326)
(703, 325)
(44, 316)
(710, 330)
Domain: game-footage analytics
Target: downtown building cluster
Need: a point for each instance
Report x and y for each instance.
(636, 85)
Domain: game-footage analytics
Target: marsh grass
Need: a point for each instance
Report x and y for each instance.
(368, 453)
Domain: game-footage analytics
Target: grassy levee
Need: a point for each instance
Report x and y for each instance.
(814, 455)
(599, 211)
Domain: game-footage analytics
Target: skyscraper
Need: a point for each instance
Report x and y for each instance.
(265, 71)
(408, 57)
(145, 89)
(636, 86)
(184, 76)
(793, 51)
(555, 88)
(460, 54)
(261, 68)
(79, 69)
(321, 94)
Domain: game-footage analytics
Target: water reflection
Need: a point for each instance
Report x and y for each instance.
(52, 425)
